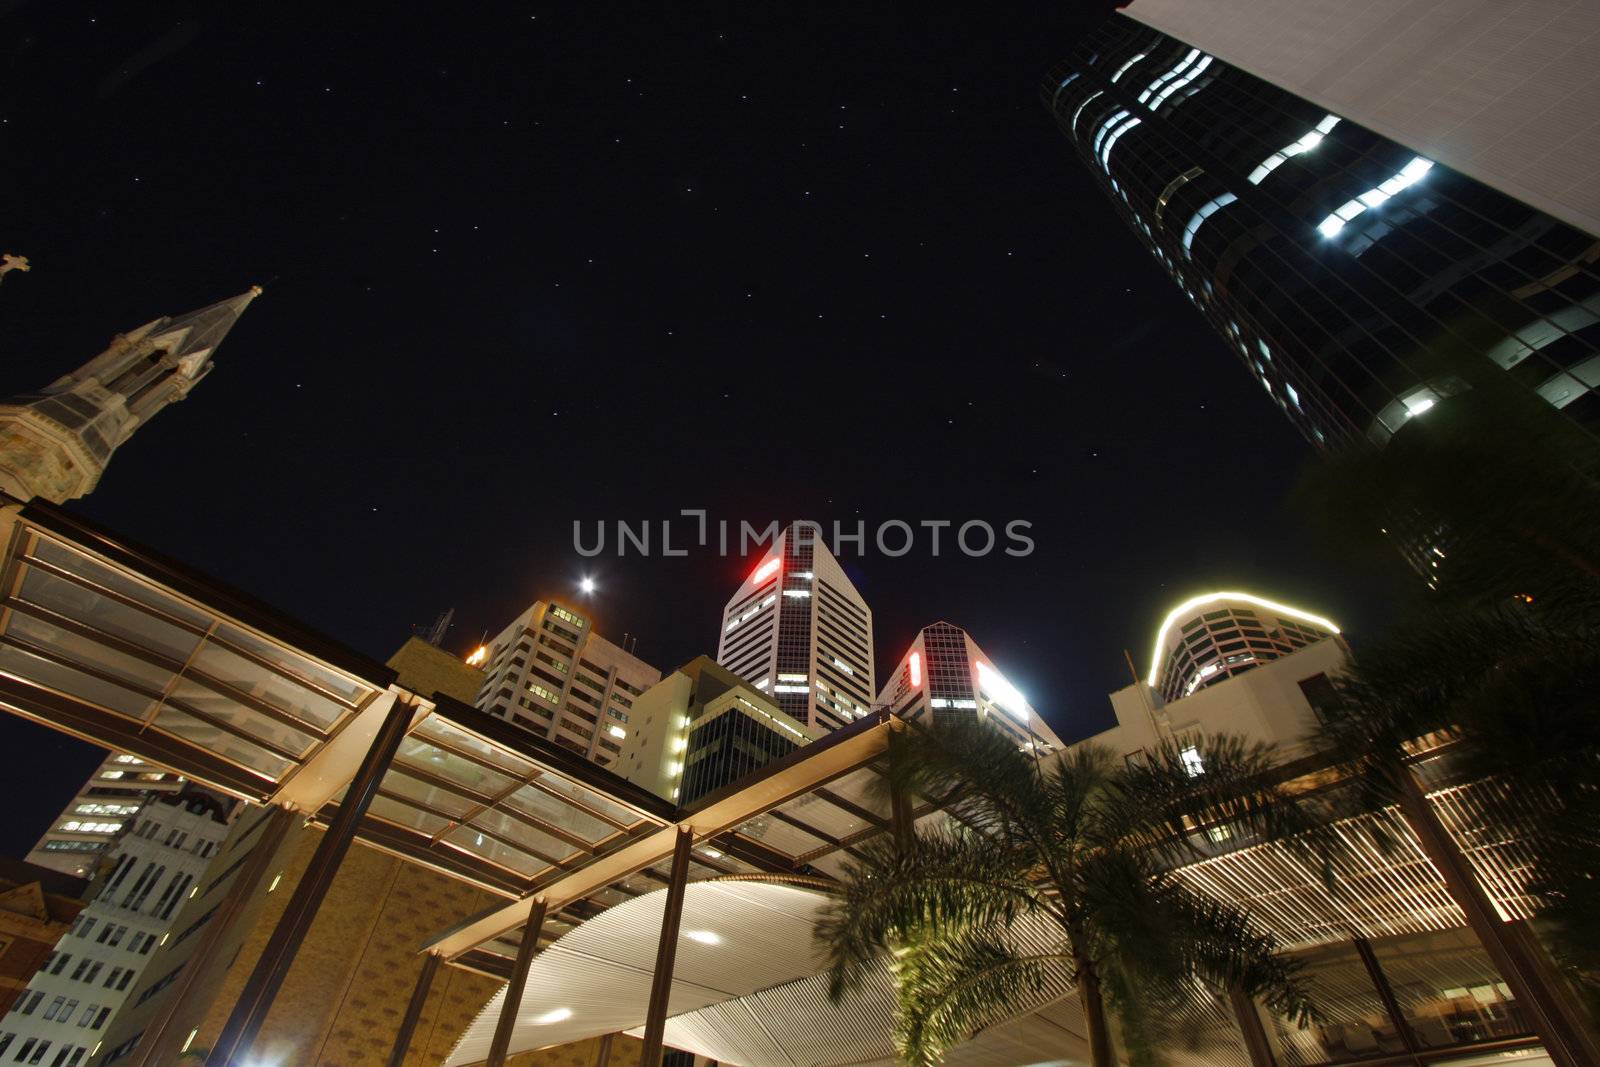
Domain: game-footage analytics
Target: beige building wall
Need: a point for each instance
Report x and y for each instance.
(1265, 704)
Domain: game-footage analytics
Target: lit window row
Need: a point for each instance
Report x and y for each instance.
(1117, 125)
(562, 613)
(1073, 125)
(78, 826)
(1409, 175)
(751, 613)
(1209, 208)
(106, 809)
(1188, 69)
(542, 693)
(1124, 68)
(1304, 144)
(777, 721)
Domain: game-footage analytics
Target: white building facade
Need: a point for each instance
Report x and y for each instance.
(550, 673)
(58, 1021)
(94, 820)
(798, 630)
(945, 675)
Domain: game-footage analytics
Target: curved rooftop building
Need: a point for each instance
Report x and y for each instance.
(1208, 639)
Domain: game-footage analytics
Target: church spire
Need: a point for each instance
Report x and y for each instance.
(56, 443)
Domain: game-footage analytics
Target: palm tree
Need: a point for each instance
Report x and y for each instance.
(1500, 499)
(1081, 848)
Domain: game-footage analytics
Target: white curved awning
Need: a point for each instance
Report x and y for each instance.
(746, 990)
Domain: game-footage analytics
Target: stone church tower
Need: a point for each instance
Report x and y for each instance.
(56, 443)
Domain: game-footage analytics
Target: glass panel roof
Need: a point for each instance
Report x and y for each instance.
(107, 615)
(230, 668)
(135, 649)
(552, 811)
(469, 840)
(136, 672)
(780, 836)
(405, 815)
(427, 796)
(114, 698)
(193, 696)
(458, 770)
(503, 825)
(252, 757)
(348, 690)
(449, 736)
(120, 582)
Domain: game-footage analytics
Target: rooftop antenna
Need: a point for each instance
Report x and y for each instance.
(434, 634)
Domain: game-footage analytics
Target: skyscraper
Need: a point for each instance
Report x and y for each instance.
(945, 675)
(95, 818)
(796, 628)
(549, 672)
(1211, 638)
(701, 728)
(86, 981)
(56, 443)
(1502, 92)
(1359, 280)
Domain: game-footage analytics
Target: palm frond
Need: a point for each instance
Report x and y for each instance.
(953, 985)
(935, 881)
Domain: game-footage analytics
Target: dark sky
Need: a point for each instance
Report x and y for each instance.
(529, 264)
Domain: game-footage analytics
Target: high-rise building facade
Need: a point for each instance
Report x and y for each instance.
(702, 727)
(1502, 92)
(62, 1015)
(1359, 280)
(1211, 638)
(550, 673)
(798, 629)
(945, 675)
(96, 817)
(56, 443)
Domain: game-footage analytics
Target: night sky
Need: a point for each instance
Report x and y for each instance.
(531, 264)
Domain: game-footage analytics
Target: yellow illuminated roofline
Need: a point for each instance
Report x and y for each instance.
(1188, 607)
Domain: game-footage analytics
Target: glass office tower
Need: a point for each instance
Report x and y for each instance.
(1360, 282)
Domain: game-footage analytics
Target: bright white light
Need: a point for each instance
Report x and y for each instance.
(616, 731)
(705, 937)
(1190, 605)
(586, 585)
(711, 853)
(1409, 175)
(1304, 144)
(1192, 762)
(1002, 691)
(559, 1015)
(1416, 405)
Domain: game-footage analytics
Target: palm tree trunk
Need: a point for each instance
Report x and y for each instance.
(1541, 1003)
(1094, 1015)
(1250, 1029)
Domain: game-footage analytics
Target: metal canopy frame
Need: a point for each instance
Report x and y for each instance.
(125, 648)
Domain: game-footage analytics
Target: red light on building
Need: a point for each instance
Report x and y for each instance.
(916, 668)
(765, 570)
